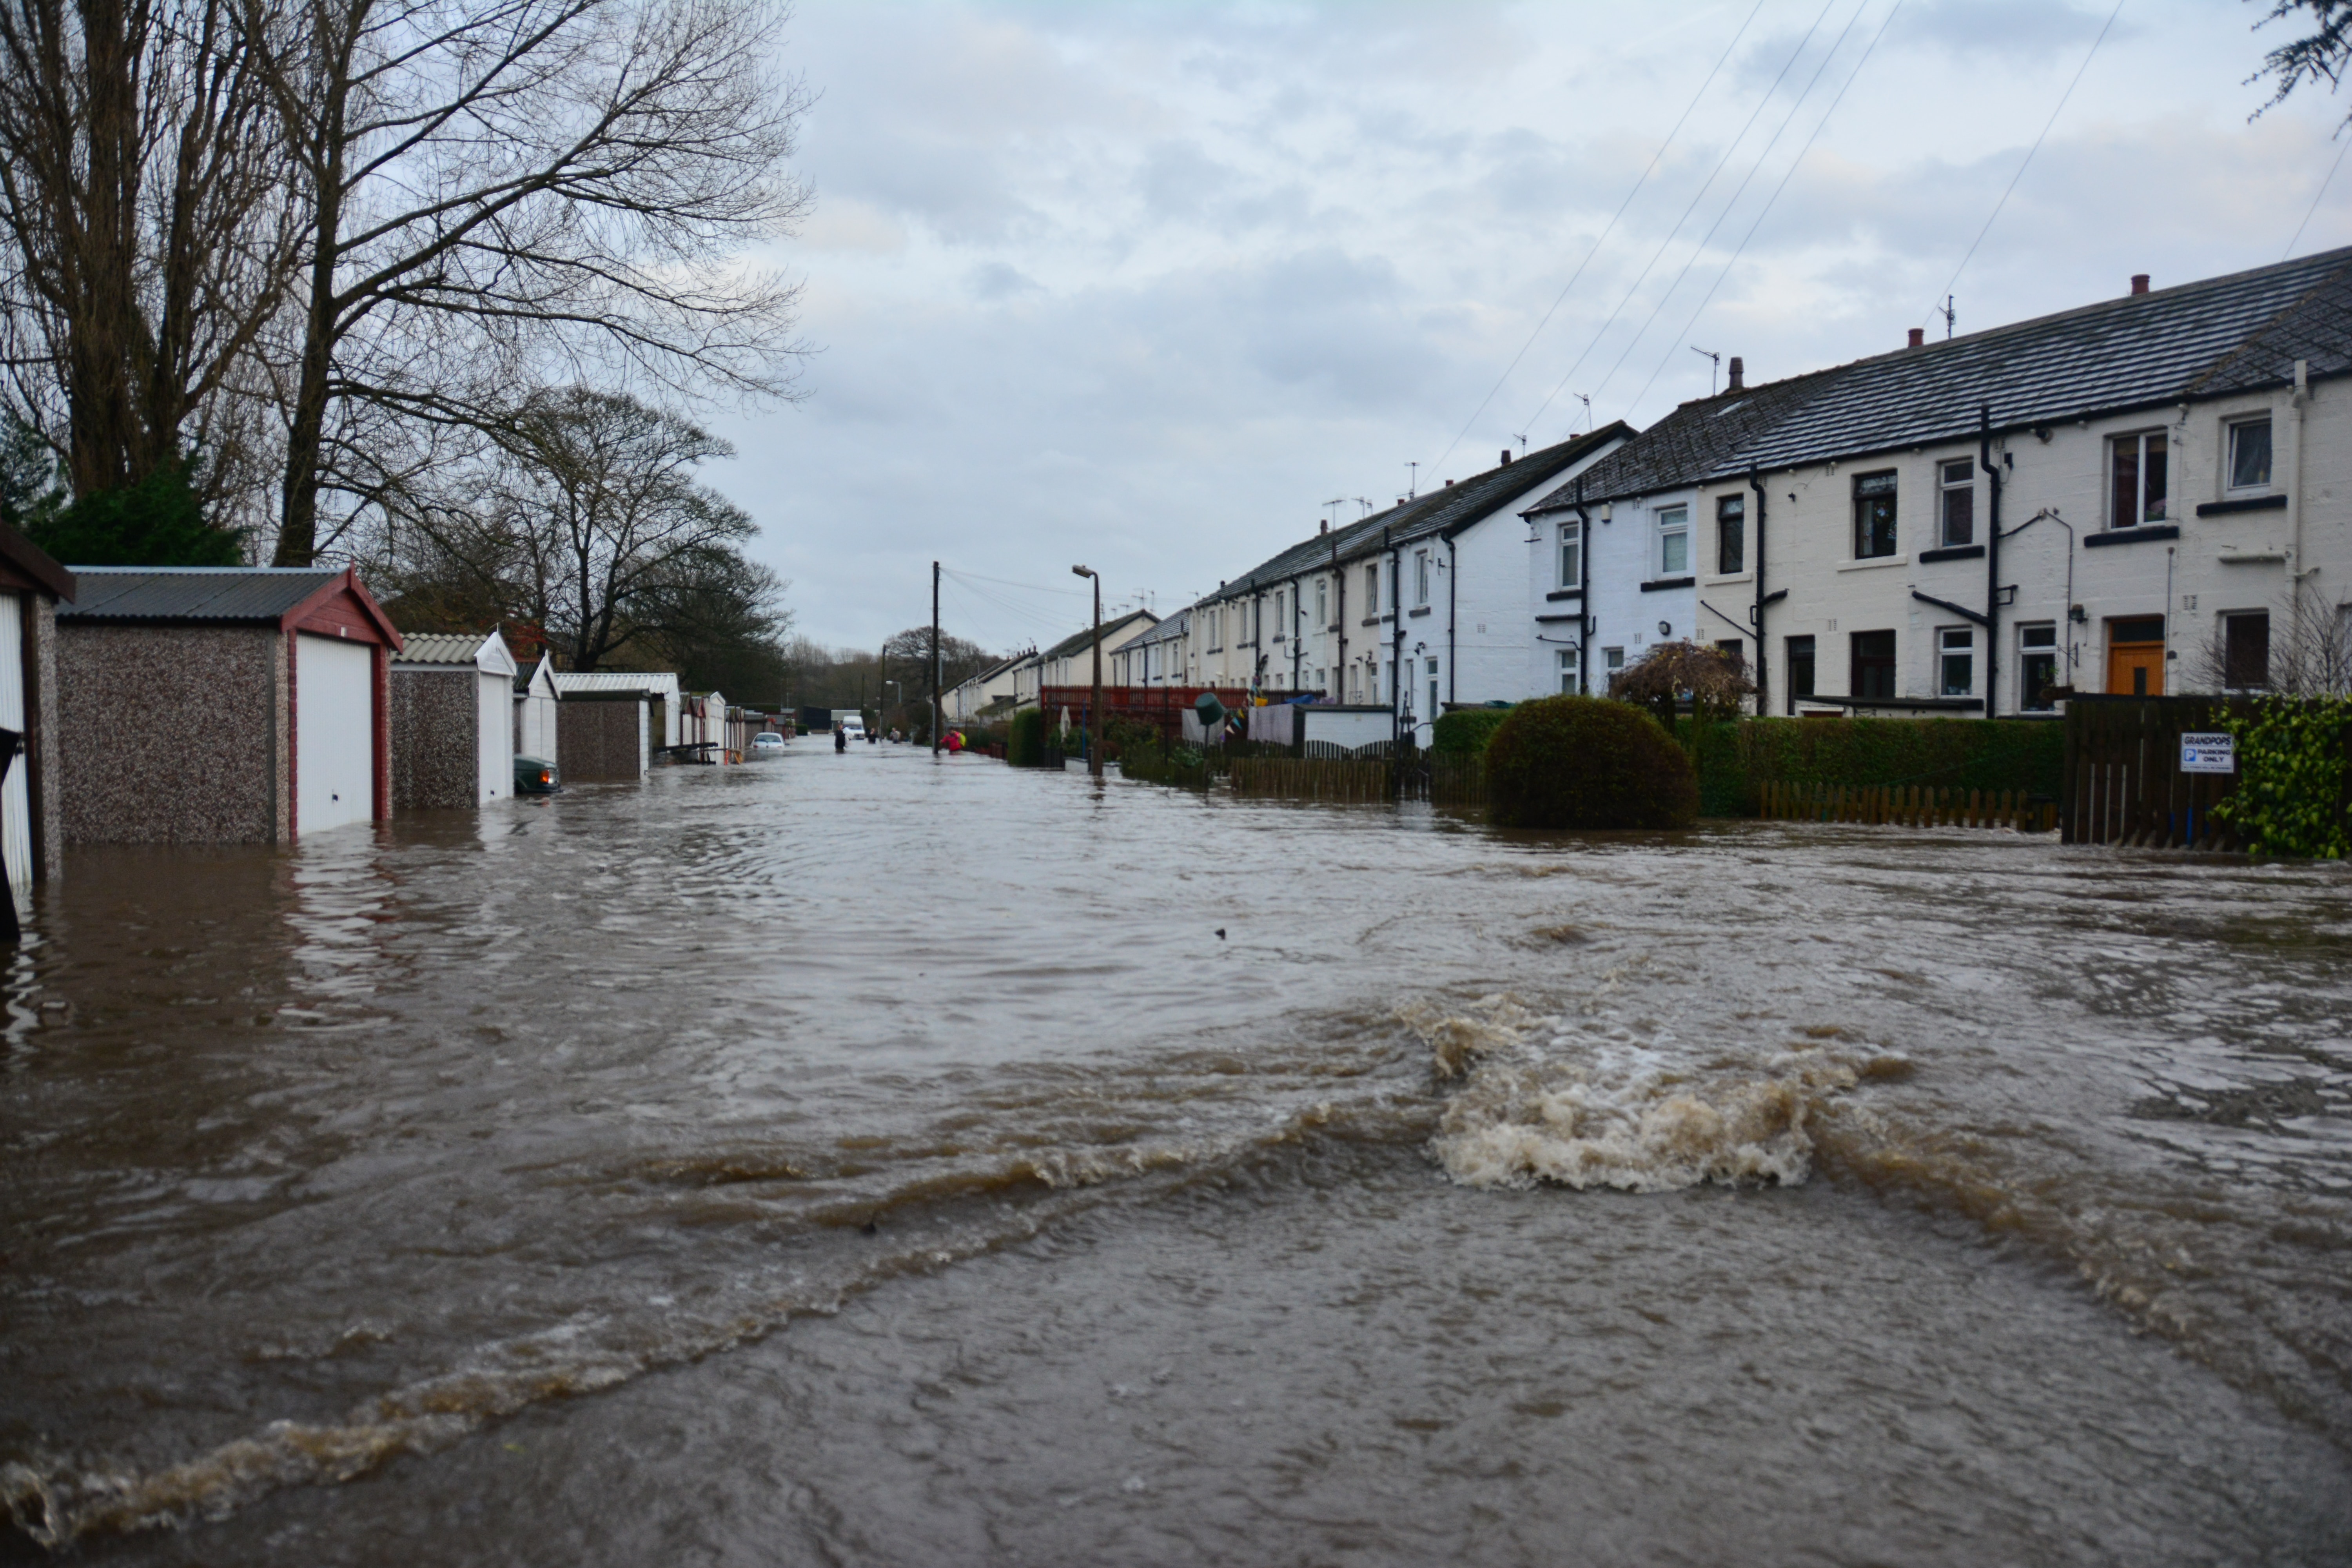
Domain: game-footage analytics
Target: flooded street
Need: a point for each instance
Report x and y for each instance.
(871, 1158)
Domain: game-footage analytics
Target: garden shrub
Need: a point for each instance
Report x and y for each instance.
(2292, 777)
(1587, 762)
(1735, 758)
(1025, 746)
(1466, 731)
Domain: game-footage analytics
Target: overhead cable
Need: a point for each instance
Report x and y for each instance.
(2315, 199)
(1945, 292)
(1607, 230)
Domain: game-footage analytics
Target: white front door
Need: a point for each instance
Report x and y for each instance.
(334, 733)
(497, 745)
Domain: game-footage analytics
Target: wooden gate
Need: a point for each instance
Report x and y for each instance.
(2123, 778)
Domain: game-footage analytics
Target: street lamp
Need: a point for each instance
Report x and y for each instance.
(1094, 710)
(895, 689)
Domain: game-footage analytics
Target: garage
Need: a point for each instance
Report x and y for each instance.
(333, 721)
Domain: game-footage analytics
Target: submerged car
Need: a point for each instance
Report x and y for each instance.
(766, 743)
(535, 775)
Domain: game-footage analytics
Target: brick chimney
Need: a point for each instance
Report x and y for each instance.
(2139, 282)
(1738, 371)
(1918, 337)
(1506, 457)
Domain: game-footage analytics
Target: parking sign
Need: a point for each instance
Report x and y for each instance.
(2208, 753)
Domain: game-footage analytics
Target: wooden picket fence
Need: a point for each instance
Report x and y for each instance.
(1907, 805)
(1362, 780)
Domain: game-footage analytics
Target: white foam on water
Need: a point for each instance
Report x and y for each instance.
(1586, 1102)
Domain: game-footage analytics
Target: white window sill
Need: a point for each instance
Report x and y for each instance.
(1874, 563)
(1735, 577)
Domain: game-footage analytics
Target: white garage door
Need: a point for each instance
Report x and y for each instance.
(334, 733)
(496, 700)
(16, 799)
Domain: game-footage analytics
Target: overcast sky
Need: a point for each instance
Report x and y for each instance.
(1143, 286)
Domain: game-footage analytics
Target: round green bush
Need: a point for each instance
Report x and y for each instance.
(1587, 762)
(1025, 745)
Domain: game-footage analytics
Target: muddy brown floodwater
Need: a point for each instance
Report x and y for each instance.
(870, 1158)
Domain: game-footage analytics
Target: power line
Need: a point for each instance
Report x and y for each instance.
(1753, 170)
(2314, 200)
(1704, 187)
(1785, 176)
(1007, 582)
(2029, 152)
(1606, 231)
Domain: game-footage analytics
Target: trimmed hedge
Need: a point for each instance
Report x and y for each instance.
(1466, 731)
(1025, 746)
(1587, 762)
(1733, 758)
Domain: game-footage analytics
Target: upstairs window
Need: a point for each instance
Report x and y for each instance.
(2137, 492)
(1421, 576)
(1874, 515)
(1322, 605)
(1730, 534)
(1674, 541)
(1277, 615)
(1957, 481)
(2249, 454)
(1372, 592)
(1571, 554)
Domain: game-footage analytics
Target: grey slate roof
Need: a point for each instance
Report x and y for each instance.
(526, 671)
(219, 593)
(2204, 339)
(1443, 510)
(441, 648)
(1078, 639)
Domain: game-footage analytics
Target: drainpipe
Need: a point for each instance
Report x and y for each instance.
(1396, 648)
(1340, 602)
(1453, 600)
(1763, 695)
(1297, 614)
(1992, 561)
(2300, 400)
(1583, 593)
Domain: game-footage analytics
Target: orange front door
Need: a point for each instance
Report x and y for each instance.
(2135, 668)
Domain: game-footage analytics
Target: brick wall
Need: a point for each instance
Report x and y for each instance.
(171, 734)
(599, 740)
(434, 737)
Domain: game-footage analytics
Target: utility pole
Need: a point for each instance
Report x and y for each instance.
(1093, 709)
(935, 658)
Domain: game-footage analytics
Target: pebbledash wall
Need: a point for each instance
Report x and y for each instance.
(433, 719)
(221, 777)
(601, 740)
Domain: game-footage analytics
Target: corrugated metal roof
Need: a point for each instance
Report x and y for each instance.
(440, 647)
(247, 594)
(569, 682)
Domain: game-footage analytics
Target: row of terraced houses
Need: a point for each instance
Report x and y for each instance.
(2148, 494)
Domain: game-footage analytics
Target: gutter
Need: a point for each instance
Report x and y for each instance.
(1756, 615)
(1583, 593)
(1990, 621)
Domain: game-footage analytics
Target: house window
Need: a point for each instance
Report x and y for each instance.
(1674, 541)
(1421, 576)
(1734, 652)
(1874, 515)
(1323, 603)
(1372, 592)
(1570, 668)
(2037, 667)
(1613, 662)
(1799, 668)
(1730, 534)
(2249, 454)
(1216, 623)
(2246, 651)
(1958, 483)
(1432, 673)
(1322, 679)
(1279, 621)
(2136, 495)
(1956, 661)
(1874, 665)
(1571, 554)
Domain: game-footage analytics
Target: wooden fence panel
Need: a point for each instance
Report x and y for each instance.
(2122, 779)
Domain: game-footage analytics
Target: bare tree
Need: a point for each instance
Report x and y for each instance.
(503, 187)
(588, 522)
(148, 230)
(1672, 673)
(2306, 651)
(2324, 54)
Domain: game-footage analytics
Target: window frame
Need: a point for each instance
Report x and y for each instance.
(1865, 533)
(1568, 668)
(2139, 440)
(1323, 603)
(2231, 429)
(1567, 547)
(1946, 650)
(1946, 493)
(1891, 664)
(1732, 529)
(2231, 670)
(2028, 693)
(1420, 578)
(1794, 658)
(1670, 522)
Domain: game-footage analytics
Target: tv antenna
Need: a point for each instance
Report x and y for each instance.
(1367, 505)
(1587, 401)
(1949, 316)
(1714, 364)
(1522, 440)
(1413, 482)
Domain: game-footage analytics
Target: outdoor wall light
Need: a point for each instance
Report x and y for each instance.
(1665, 629)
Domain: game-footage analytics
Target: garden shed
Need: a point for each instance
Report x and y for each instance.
(451, 721)
(222, 704)
(31, 586)
(534, 710)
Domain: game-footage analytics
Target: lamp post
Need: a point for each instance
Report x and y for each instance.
(895, 699)
(1093, 709)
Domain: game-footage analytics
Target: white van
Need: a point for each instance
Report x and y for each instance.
(852, 724)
